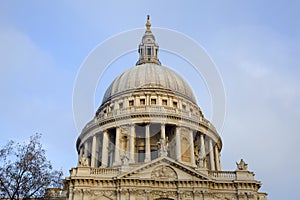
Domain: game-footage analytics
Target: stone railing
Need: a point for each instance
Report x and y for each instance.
(146, 111)
(88, 171)
(104, 171)
(149, 110)
(223, 174)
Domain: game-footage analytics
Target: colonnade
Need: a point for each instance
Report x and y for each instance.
(106, 150)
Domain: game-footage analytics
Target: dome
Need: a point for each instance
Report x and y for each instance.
(149, 76)
(146, 108)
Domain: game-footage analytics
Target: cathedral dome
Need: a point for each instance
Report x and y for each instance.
(149, 76)
(149, 111)
(150, 140)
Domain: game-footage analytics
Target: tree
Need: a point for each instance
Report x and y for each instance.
(25, 172)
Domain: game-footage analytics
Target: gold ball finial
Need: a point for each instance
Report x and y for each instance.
(148, 24)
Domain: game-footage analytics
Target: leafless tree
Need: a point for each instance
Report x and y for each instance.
(25, 171)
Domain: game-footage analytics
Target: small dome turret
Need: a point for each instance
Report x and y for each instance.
(148, 49)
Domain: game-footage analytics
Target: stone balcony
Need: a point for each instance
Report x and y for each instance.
(150, 112)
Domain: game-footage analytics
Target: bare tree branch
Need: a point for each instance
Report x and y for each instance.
(25, 171)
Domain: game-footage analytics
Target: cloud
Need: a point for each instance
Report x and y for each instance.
(35, 96)
(263, 110)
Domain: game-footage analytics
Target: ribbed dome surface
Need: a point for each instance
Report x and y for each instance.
(150, 76)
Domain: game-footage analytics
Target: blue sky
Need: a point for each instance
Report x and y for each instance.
(255, 45)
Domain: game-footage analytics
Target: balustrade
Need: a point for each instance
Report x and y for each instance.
(223, 174)
(104, 171)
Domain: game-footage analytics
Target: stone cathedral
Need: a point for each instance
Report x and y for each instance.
(149, 140)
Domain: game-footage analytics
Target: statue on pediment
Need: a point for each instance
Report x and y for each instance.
(163, 145)
(83, 161)
(125, 158)
(242, 165)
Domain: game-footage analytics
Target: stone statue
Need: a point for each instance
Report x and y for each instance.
(163, 147)
(242, 165)
(200, 160)
(125, 159)
(83, 161)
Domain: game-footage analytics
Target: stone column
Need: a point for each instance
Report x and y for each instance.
(94, 155)
(86, 149)
(136, 101)
(105, 149)
(131, 143)
(163, 131)
(217, 158)
(147, 144)
(177, 141)
(192, 148)
(211, 155)
(117, 147)
(202, 151)
(77, 194)
(81, 151)
(71, 194)
(89, 151)
(147, 100)
(80, 154)
(132, 193)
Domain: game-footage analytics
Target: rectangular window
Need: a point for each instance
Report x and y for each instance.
(121, 105)
(141, 155)
(149, 51)
(175, 104)
(153, 101)
(164, 102)
(131, 102)
(142, 101)
(183, 107)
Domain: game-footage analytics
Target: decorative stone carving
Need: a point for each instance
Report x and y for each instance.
(125, 129)
(163, 194)
(83, 162)
(242, 165)
(164, 172)
(163, 146)
(77, 191)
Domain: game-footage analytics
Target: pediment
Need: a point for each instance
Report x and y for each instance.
(164, 168)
